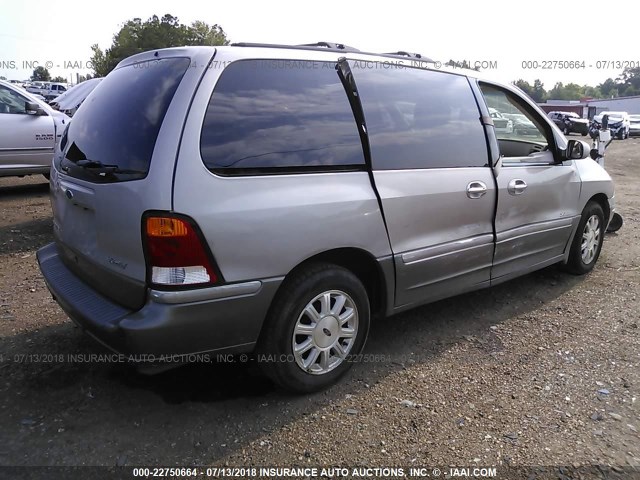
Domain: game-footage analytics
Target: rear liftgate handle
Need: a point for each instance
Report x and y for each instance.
(476, 189)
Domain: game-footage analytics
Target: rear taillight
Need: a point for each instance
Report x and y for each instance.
(176, 254)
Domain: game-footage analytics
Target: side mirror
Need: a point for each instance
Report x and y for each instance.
(577, 150)
(33, 108)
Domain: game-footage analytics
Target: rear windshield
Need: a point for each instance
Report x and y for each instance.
(113, 134)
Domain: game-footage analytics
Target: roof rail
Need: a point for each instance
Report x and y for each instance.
(306, 46)
(335, 47)
(402, 53)
(331, 45)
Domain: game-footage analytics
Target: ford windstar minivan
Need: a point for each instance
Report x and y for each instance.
(273, 199)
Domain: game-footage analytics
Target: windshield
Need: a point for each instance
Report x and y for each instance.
(118, 125)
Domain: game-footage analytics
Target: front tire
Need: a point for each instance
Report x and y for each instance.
(587, 243)
(319, 319)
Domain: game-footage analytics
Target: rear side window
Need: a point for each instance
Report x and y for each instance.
(114, 133)
(420, 118)
(279, 116)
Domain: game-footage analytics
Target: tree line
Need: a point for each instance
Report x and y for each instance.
(137, 36)
(627, 84)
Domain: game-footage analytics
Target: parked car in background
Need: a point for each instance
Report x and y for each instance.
(35, 87)
(619, 123)
(53, 90)
(275, 205)
(570, 122)
(500, 122)
(521, 124)
(71, 100)
(634, 125)
(29, 131)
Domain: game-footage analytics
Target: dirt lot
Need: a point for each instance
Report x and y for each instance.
(544, 370)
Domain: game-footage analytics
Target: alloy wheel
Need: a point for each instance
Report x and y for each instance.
(590, 239)
(325, 332)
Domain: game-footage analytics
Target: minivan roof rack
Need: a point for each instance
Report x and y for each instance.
(331, 45)
(336, 47)
(341, 47)
(402, 53)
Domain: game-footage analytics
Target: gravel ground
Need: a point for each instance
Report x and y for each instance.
(544, 370)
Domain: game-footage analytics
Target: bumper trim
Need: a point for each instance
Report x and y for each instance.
(205, 294)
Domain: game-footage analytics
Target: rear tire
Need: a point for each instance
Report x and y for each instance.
(587, 243)
(319, 319)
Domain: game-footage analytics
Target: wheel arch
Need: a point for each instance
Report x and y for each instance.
(602, 200)
(363, 265)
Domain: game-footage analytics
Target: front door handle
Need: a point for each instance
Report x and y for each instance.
(476, 189)
(517, 187)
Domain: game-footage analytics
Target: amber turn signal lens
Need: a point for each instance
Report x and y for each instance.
(166, 227)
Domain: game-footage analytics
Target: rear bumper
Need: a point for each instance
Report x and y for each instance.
(224, 319)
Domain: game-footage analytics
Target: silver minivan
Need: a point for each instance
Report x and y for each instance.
(274, 199)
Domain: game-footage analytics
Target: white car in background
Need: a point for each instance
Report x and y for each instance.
(619, 123)
(501, 124)
(35, 87)
(53, 90)
(29, 131)
(634, 125)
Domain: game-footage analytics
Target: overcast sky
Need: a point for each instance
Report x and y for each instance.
(505, 33)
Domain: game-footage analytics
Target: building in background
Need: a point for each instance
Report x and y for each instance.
(590, 107)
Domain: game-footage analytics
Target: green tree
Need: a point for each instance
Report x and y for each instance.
(59, 79)
(200, 33)
(137, 36)
(570, 91)
(630, 82)
(40, 74)
(539, 93)
(99, 62)
(536, 91)
(609, 88)
(524, 86)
